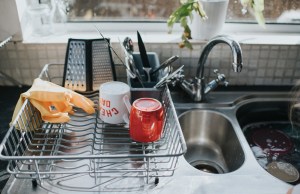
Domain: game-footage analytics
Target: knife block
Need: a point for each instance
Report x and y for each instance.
(154, 63)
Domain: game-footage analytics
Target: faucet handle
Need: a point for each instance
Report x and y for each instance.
(226, 83)
(214, 83)
(216, 71)
(220, 77)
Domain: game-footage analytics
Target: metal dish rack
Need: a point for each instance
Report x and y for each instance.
(87, 149)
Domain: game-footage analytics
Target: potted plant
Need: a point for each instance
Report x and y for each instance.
(185, 15)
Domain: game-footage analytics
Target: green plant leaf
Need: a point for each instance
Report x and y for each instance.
(260, 18)
(185, 43)
(187, 32)
(181, 14)
(256, 7)
(188, 6)
(188, 45)
(184, 10)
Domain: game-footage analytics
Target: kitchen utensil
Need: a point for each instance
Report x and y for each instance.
(74, 78)
(131, 68)
(165, 64)
(153, 60)
(128, 50)
(88, 64)
(272, 141)
(166, 69)
(112, 108)
(127, 67)
(169, 77)
(146, 120)
(144, 56)
(102, 63)
(284, 171)
(128, 44)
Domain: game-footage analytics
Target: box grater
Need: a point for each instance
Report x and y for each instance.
(88, 64)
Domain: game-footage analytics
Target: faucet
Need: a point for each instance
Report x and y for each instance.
(197, 88)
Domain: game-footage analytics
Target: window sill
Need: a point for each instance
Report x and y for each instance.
(244, 33)
(151, 37)
(159, 37)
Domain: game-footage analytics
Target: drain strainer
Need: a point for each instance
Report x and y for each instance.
(207, 166)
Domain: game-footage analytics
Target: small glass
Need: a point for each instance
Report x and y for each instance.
(39, 17)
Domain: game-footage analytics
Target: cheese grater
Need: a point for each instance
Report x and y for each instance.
(88, 64)
(102, 63)
(75, 66)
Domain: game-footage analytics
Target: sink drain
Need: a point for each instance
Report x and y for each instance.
(207, 166)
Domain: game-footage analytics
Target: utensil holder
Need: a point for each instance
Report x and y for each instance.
(154, 63)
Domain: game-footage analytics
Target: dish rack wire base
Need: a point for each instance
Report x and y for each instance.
(87, 149)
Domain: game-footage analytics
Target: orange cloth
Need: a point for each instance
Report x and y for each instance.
(53, 101)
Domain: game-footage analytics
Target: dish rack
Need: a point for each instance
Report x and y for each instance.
(87, 149)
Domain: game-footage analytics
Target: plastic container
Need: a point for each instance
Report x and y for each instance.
(154, 63)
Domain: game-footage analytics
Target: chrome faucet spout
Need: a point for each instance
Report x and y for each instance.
(197, 88)
(237, 63)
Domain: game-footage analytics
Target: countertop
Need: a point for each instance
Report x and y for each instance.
(186, 180)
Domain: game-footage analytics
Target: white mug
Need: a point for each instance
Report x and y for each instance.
(112, 108)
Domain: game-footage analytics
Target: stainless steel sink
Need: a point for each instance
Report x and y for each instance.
(216, 130)
(212, 145)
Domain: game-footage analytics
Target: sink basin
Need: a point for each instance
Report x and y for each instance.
(278, 139)
(262, 111)
(212, 145)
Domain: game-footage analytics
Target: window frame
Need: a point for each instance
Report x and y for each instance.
(160, 27)
(132, 26)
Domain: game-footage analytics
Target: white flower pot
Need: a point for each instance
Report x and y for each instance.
(216, 12)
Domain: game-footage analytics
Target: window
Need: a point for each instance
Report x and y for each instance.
(121, 10)
(276, 11)
(151, 15)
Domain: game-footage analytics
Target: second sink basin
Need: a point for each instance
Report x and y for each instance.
(273, 137)
(212, 145)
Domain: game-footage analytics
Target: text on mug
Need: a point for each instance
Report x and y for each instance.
(109, 113)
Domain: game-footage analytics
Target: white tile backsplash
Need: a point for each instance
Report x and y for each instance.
(262, 64)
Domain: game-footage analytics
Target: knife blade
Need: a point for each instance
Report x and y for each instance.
(144, 56)
(143, 51)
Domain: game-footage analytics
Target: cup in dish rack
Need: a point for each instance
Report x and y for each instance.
(112, 108)
(146, 120)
